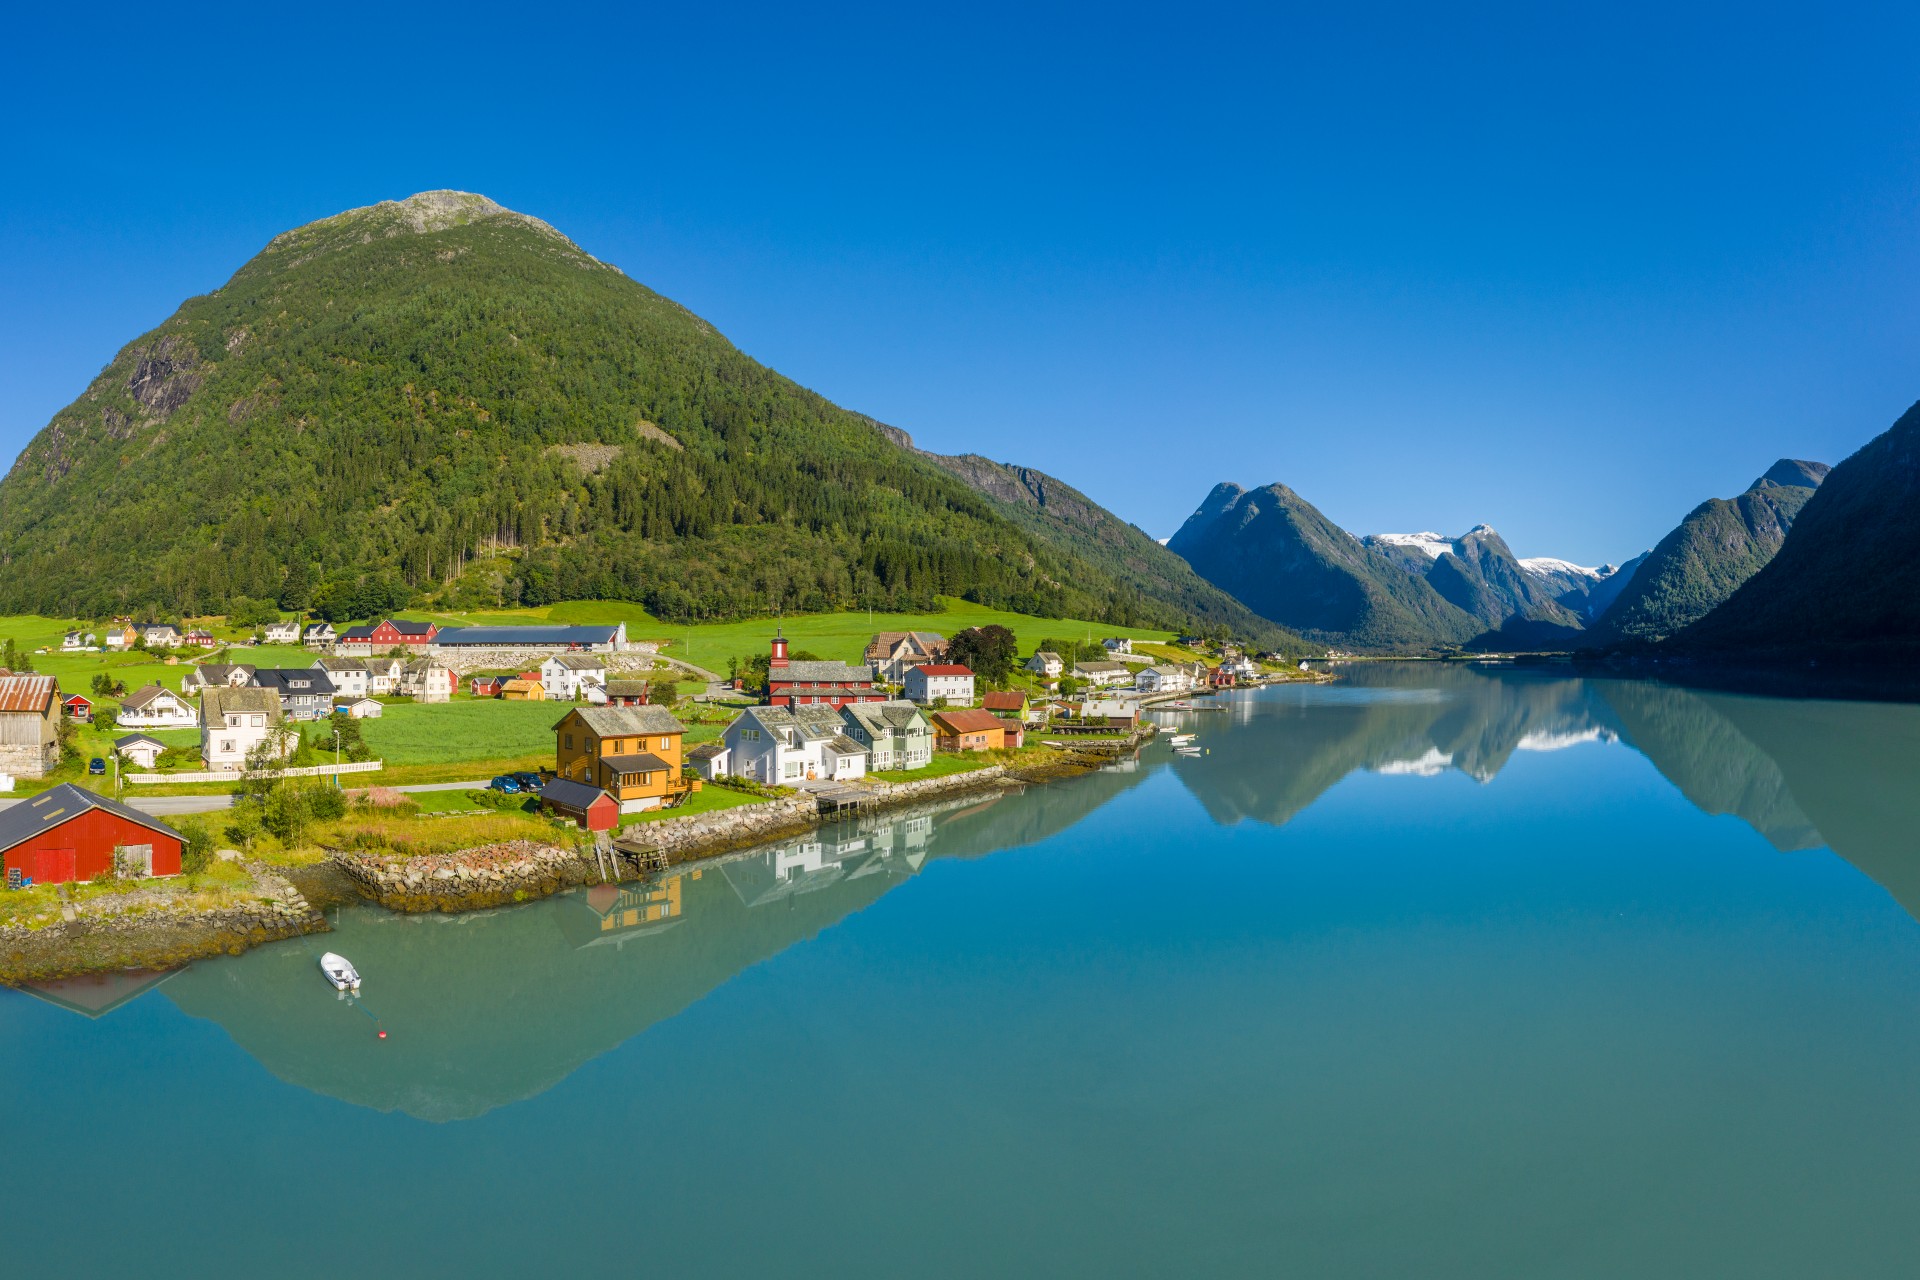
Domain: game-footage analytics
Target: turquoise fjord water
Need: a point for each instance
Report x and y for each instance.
(1434, 972)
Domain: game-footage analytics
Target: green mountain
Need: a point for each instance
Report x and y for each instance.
(1282, 558)
(1845, 584)
(438, 398)
(1060, 515)
(1720, 545)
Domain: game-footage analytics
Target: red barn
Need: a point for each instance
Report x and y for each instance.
(406, 634)
(70, 833)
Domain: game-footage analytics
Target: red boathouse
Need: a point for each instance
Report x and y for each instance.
(69, 833)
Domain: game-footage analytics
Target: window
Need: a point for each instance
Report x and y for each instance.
(569, 740)
(258, 722)
(665, 744)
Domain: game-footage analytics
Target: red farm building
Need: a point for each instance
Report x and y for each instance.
(69, 833)
(796, 683)
(590, 807)
(390, 633)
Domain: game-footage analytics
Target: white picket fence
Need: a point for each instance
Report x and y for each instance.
(235, 775)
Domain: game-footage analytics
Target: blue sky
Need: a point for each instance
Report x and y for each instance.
(1565, 272)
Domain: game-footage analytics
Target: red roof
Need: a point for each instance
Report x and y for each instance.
(26, 693)
(944, 669)
(975, 720)
(1010, 701)
(81, 699)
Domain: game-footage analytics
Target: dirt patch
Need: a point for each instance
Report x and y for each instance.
(592, 459)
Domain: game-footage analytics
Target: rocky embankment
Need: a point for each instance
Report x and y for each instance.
(144, 930)
(488, 876)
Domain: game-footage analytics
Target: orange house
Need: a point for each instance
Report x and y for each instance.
(631, 753)
(968, 730)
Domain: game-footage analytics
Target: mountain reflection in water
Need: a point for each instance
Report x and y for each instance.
(489, 1008)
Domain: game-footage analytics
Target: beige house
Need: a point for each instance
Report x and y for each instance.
(29, 725)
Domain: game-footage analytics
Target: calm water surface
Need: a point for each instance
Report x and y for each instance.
(1437, 972)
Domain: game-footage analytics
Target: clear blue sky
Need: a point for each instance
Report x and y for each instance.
(1567, 273)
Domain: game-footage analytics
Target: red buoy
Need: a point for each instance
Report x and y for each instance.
(383, 1035)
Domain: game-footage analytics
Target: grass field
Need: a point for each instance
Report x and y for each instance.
(942, 764)
(706, 800)
(465, 729)
(841, 636)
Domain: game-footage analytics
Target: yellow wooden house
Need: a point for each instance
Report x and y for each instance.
(631, 753)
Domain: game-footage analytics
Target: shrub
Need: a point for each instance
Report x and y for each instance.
(326, 804)
(196, 850)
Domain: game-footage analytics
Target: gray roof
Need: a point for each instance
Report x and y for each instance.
(580, 661)
(611, 722)
(638, 762)
(818, 672)
(570, 795)
(818, 722)
(707, 750)
(884, 717)
(841, 744)
(526, 635)
(133, 738)
(1103, 668)
(626, 688)
(147, 693)
(297, 682)
(341, 664)
(58, 804)
(221, 700)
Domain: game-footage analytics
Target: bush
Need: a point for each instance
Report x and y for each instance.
(196, 850)
(326, 804)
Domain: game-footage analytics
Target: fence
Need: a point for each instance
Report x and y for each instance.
(235, 775)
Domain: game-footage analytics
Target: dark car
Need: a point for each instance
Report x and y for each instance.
(96, 765)
(528, 781)
(506, 783)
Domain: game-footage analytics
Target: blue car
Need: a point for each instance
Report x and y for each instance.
(529, 782)
(96, 765)
(505, 783)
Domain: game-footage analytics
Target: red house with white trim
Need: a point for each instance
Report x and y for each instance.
(69, 833)
(416, 635)
(805, 683)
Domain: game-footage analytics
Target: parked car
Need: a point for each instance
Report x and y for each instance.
(505, 783)
(96, 765)
(528, 781)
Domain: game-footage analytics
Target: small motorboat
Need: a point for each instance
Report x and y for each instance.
(340, 973)
(1181, 739)
(1187, 751)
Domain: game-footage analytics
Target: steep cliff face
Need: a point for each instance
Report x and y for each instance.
(1845, 582)
(1722, 543)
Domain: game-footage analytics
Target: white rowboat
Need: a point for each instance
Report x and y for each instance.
(340, 973)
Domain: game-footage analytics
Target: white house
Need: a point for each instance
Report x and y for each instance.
(383, 675)
(159, 635)
(1101, 674)
(1117, 645)
(711, 760)
(235, 721)
(1241, 667)
(139, 748)
(76, 640)
(157, 707)
(320, 635)
(349, 676)
(283, 632)
(235, 675)
(567, 677)
(779, 747)
(426, 680)
(361, 708)
(1046, 664)
(1164, 679)
(947, 680)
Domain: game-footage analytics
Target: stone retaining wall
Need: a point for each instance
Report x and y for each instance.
(468, 880)
(156, 939)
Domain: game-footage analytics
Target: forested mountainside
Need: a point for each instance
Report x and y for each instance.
(440, 397)
(1059, 515)
(1845, 584)
(1286, 561)
(1722, 543)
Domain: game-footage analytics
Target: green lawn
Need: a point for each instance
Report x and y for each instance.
(706, 800)
(841, 636)
(942, 764)
(465, 729)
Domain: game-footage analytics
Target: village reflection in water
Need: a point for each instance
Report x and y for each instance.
(496, 1006)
